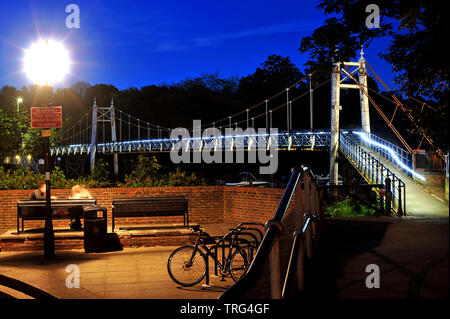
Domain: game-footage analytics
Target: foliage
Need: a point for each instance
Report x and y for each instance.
(18, 179)
(271, 77)
(348, 208)
(182, 178)
(11, 131)
(147, 173)
(417, 33)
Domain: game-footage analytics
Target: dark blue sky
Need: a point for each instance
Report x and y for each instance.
(138, 43)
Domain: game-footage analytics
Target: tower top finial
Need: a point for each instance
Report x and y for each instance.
(112, 102)
(95, 101)
(362, 51)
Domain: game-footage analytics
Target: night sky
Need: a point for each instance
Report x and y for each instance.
(138, 43)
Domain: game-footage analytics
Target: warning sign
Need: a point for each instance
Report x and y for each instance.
(46, 117)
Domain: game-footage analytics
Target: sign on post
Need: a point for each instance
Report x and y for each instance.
(46, 117)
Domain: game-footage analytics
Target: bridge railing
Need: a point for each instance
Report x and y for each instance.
(381, 146)
(282, 140)
(375, 173)
(307, 211)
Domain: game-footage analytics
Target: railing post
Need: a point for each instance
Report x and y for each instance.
(309, 244)
(299, 210)
(388, 195)
(400, 210)
(301, 267)
(275, 270)
(299, 204)
(307, 187)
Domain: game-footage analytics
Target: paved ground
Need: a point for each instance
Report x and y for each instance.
(412, 255)
(133, 273)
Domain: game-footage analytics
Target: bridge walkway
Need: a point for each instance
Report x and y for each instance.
(420, 201)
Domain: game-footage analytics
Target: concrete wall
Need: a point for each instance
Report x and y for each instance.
(207, 204)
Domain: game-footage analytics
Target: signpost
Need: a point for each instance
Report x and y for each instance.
(46, 118)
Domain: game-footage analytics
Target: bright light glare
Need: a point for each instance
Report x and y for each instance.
(393, 154)
(19, 100)
(46, 62)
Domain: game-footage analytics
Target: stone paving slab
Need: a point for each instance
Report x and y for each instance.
(131, 235)
(412, 255)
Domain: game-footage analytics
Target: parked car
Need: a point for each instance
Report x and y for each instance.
(248, 179)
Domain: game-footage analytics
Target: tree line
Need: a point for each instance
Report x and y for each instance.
(416, 32)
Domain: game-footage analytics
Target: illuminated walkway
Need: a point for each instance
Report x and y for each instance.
(419, 200)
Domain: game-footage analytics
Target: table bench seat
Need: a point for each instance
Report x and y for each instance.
(75, 208)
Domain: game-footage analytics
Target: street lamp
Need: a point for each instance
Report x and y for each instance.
(45, 62)
(19, 100)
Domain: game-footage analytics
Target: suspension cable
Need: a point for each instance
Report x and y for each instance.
(379, 111)
(408, 114)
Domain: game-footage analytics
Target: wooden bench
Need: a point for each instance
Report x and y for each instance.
(149, 207)
(75, 208)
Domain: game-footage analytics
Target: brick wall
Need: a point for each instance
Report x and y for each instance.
(250, 204)
(207, 204)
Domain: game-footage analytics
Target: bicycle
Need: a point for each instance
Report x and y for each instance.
(188, 265)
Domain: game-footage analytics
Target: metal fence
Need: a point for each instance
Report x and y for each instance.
(402, 154)
(375, 173)
(308, 211)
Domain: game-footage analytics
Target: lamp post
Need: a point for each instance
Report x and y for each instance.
(47, 61)
(19, 100)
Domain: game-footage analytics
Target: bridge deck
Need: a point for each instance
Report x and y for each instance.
(419, 200)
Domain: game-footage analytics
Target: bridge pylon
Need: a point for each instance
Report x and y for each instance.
(337, 82)
(103, 115)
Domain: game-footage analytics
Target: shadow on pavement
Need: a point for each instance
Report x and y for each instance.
(340, 241)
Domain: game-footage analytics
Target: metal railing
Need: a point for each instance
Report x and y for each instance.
(279, 140)
(404, 156)
(381, 146)
(307, 210)
(376, 173)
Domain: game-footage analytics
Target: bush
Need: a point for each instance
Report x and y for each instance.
(147, 173)
(19, 179)
(181, 178)
(348, 208)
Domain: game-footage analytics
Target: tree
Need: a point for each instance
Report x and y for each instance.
(81, 88)
(273, 76)
(11, 128)
(417, 33)
(103, 93)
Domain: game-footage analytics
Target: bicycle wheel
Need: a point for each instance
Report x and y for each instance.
(181, 271)
(241, 261)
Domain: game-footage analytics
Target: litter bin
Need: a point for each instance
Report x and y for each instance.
(95, 235)
(95, 229)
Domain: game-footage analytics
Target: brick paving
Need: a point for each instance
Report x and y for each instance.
(412, 255)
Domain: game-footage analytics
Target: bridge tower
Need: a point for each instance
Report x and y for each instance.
(103, 115)
(340, 68)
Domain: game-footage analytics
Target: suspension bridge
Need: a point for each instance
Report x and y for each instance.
(109, 130)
